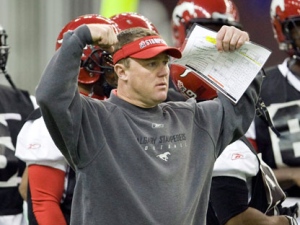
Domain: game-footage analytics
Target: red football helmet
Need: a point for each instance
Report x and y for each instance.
(130, 20)
(94, 61)
(4, 49)
(190, 84)
(285, 15)
(211, 14)
(208, 13)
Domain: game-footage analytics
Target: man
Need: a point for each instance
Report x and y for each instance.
(238, 195)
(15, 106)
(281, 94)
(138, 160)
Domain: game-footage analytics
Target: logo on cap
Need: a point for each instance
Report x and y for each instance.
(152, 41)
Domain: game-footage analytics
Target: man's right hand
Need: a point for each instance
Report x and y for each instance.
(103, 35)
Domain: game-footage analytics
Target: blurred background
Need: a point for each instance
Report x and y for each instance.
(33, 26)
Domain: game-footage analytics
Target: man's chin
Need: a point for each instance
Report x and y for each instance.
(162, 98)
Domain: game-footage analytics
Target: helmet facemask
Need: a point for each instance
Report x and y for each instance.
(4, 49)
(291, 30)
(100, 62)
(214, 24)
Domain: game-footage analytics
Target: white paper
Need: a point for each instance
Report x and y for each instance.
(229, 72)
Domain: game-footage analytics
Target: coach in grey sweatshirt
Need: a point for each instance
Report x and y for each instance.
(138, 161)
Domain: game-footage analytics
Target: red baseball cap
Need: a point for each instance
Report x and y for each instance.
(145, 48)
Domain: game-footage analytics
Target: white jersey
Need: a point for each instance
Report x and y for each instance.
(35, 146)
(238, 161)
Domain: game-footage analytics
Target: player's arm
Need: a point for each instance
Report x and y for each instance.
(288, 176)
(229, 198)
(253, 216)
(23, 185)
(46, 188)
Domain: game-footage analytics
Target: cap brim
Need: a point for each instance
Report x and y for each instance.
(154, 51)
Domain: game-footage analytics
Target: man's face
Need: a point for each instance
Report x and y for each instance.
(295, 34)
(148, 80)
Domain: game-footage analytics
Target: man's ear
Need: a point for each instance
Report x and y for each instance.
(120, 70)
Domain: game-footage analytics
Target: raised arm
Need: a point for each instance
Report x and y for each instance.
(57, 93)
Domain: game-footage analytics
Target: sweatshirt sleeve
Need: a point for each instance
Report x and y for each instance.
(225, 121)
(237, 119)
(57, 92)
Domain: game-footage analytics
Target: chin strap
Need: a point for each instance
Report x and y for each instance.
(263, 113)
(8, 78)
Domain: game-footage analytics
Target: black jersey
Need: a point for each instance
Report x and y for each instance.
(15, 106)
(280, 92)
